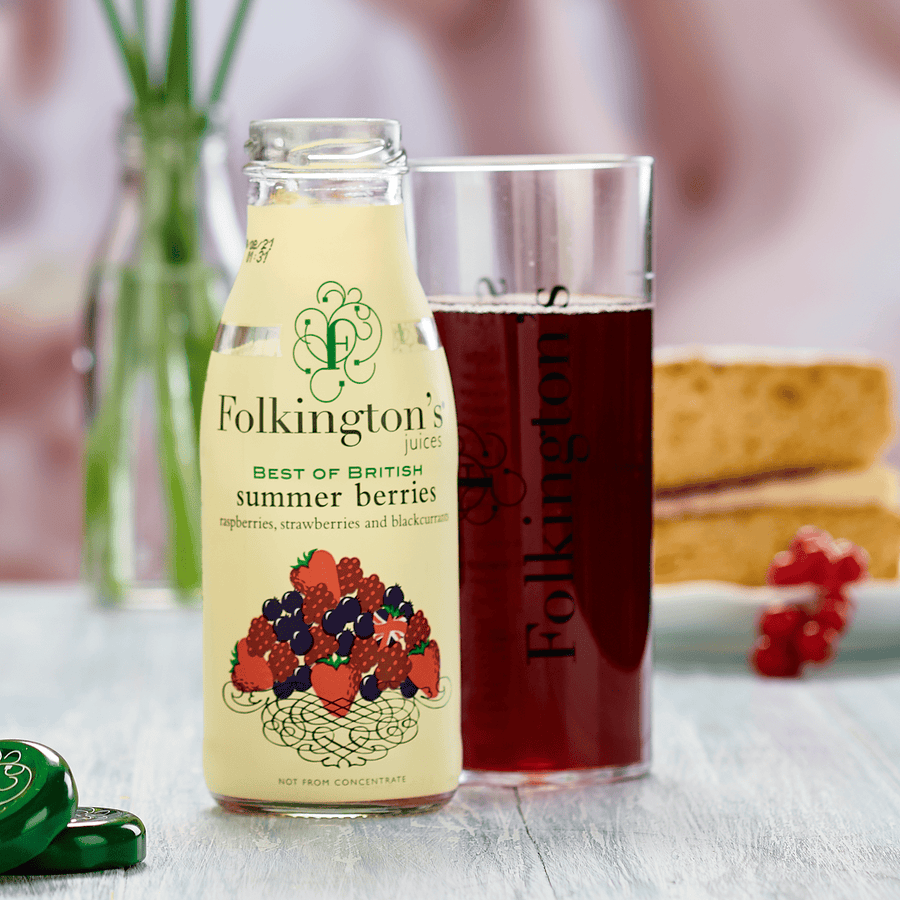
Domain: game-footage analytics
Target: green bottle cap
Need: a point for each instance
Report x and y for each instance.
(37, 800)
(94, 839)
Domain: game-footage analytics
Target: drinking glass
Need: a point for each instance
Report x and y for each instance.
(538, 270)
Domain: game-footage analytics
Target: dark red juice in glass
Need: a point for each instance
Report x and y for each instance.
(555, 526)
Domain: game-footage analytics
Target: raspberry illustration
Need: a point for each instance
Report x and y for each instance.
(364, 654)
(370, 593)
(250, 673)
(393, 666)
(350, 575)
(323, 645)
(319, 599)
(417, 630)
(261, 637)
(282, 661)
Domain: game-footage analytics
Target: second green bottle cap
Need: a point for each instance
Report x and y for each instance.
(94, 839)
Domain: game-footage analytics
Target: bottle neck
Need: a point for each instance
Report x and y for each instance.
(374, 187)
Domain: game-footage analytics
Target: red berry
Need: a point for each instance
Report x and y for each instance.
(814, 643)
(835, 611)
(775, 658)
(816, 548)
(781, 621)
(851, 564)
(809, 539)
(819, 566)
(791, 635)
(788, 567)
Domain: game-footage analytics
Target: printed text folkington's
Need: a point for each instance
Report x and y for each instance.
(267, 415)
(560, 450)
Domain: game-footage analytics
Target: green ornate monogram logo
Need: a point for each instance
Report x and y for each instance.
(15, 777)
(336, 341)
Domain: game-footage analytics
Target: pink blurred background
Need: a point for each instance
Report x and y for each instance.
(776, 128)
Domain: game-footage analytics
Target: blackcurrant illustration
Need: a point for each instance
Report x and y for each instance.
(364, 625)
(345, 642)
(302, 638)
(301, 679)
(283, 689)
(271, 609)
(292, 602)
(332, 623)
(369, 689)
(285, 628)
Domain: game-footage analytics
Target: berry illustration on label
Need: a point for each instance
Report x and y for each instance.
(339, 666)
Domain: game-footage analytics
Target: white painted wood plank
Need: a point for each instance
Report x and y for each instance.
(759, 788)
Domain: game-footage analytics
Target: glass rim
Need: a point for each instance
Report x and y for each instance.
(322, 120)
(529, 163)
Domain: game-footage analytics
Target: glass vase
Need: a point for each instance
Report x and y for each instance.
(154, 298)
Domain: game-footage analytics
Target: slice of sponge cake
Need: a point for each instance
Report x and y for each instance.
(750, 444)
(729, 413)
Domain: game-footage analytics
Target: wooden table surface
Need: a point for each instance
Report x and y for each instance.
(758, 789)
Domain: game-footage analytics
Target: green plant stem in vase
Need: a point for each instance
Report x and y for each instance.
(153, 306)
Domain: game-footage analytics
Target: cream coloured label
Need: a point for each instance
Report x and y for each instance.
(330, 566)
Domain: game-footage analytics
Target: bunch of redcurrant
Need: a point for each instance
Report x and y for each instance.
(793, 634)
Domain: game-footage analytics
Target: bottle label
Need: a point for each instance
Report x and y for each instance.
(330, 569)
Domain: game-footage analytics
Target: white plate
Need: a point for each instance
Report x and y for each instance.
(710, 617)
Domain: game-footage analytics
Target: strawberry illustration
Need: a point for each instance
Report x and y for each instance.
(316, 567)
(426, 669)
(335, 684)
(250, 673)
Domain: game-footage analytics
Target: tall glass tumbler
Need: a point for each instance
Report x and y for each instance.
(538, 270)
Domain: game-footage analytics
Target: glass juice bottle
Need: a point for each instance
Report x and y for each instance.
(328, 458)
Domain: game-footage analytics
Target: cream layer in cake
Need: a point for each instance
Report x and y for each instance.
(875, 485)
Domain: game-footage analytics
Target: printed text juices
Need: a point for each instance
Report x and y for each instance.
(328, 460)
